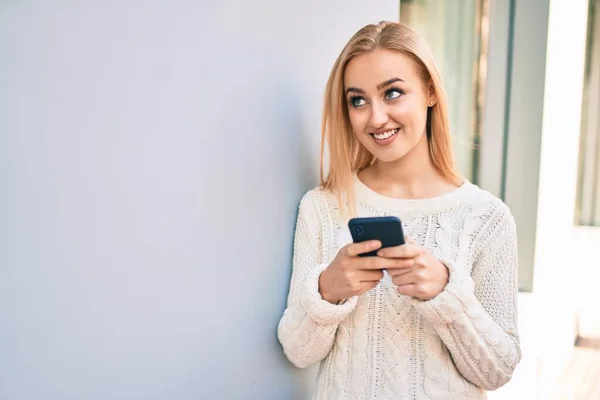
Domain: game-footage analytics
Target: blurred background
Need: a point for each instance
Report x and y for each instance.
(152, 156)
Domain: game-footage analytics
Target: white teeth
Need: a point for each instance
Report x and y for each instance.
(385, 135)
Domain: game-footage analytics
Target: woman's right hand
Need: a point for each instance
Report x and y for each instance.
(350, 275)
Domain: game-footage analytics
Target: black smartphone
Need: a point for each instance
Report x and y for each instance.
(388, 230)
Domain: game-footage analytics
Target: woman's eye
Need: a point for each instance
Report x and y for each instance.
(393, 94)
(357, 101)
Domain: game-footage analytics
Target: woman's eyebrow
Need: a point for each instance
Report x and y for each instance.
(355, 90)
(388, 82)
(379, 87)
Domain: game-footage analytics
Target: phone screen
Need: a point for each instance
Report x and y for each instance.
(388, 230)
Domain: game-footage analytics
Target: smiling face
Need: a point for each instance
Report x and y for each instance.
(387, 104)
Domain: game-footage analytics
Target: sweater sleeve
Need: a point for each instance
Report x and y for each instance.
(476, 317)
(309, 323)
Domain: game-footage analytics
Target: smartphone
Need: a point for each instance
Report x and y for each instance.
(388, 230)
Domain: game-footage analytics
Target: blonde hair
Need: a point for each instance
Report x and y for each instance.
(346, 154)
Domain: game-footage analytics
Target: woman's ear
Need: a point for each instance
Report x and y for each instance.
(432, 97)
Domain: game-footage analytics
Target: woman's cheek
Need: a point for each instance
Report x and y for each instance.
(358, 121)
(402, 111)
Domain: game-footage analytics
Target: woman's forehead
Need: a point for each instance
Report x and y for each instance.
(370, 69)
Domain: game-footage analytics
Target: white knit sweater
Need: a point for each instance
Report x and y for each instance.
(383, 345)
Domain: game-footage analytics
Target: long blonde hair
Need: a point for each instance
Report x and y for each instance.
(346, 154)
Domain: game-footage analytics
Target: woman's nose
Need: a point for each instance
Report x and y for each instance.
(379, 116)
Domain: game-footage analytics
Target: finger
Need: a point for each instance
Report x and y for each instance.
(409, 240)
(404, 279)
(420, 260)
(402, 266)
(404, 251)
(401, 271)
(366, 286)
(378, 263)
(354, 249)
(408, 290)
(371, 275)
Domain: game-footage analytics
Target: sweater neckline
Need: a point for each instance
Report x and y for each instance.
(431, 204)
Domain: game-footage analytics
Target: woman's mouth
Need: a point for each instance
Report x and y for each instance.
(386, 137)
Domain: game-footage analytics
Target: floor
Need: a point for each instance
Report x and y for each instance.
(581, 377)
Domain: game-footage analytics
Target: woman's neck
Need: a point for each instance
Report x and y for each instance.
(412, 176)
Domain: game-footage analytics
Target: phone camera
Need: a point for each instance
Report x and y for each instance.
(358, 230)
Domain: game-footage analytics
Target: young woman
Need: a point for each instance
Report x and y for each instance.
(435, 318)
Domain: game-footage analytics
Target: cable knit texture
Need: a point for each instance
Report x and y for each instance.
(383, 345)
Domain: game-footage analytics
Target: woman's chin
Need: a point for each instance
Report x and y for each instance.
(390, 156)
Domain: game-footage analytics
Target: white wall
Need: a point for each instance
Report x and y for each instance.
(565, 268)
(152, 155)
(557, 281)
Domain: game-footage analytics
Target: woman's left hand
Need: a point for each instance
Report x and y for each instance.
(423, 276)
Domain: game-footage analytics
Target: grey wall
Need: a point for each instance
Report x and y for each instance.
(524, 127)
(152, 155)
(512, 124)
